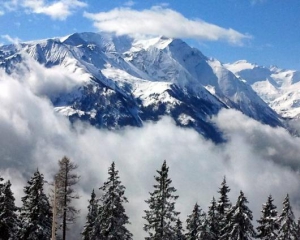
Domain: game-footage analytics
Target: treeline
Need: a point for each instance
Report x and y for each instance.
(107, 219)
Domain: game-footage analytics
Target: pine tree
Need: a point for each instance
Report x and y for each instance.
(96, 231)
(268, 225)
(297, 229)
(9, 223)
(161, 217)
(36, 215)
(65, 179)
(90, 218)
(205, 233)
(179, 235)
(287, 228)
(195, 223)
(213, 220)
(239, 226)
(223, 206)
(112, 218)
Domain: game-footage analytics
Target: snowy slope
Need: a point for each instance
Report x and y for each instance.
(124, 81)
(280, 88)
(173, 60)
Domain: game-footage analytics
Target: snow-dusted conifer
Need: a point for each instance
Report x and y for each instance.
(223, 206)
(161, 217)
(111, 218)
(205, 233)
(287, 228)
(9, 224)
(268, 226)
(239, 226)
(36, 215)
(87, 233)
(297, 229)
(195, 223)
(96, 232)
(179, 235)
(213, 220)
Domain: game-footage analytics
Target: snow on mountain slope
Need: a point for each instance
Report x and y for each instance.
(125, 81)
(175, 61)
(280, 88)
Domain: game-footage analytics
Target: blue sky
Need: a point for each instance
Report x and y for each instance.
(265, 32)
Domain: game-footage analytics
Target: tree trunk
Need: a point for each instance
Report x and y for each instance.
(54, 214)
(65, 205)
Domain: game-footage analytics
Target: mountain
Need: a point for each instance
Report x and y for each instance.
(280, 88)
(124, 81)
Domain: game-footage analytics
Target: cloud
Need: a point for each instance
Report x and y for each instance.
(164, 4)
(10, 39)
(256, 158)
(129, 3)
(58, 10)
(9, 5)
(2, 13)
(161, 21)
(47, 82)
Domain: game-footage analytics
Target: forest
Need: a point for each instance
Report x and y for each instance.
(48, 217)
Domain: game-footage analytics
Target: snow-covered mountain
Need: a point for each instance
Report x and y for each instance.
(280, 88)
(126, 81)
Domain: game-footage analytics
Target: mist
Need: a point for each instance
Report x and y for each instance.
(256, 158)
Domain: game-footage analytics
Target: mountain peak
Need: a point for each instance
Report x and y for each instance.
(160, 42)
(134, 80)
(73, 39)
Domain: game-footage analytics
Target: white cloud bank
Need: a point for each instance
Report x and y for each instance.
(257, 159)
(162, 21)
(59, 10)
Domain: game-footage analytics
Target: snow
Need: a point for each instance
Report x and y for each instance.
(185, 119)
(68, 111)
(278, 87)
(147, 70)
(158, 42)
(239, 66)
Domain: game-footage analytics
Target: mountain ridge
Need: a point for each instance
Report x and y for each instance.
(278, 87)
(126, 81)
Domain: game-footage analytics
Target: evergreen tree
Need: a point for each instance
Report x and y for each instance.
(205, 233)
(112, 218)
(268, 225)
(179, 235)
(195, 223)
(223, 206)
(239, 226)
(213, 220)
(287, 228)
(90, 218)
(297, 229)
(9, 224)
(36, 216)
(161, 217)
(96, 232)
(65, 179)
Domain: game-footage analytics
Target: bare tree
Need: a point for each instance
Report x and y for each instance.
(65, 180)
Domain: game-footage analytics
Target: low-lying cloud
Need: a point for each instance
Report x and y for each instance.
(257, 159)
(162, 21)
(48, 82)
